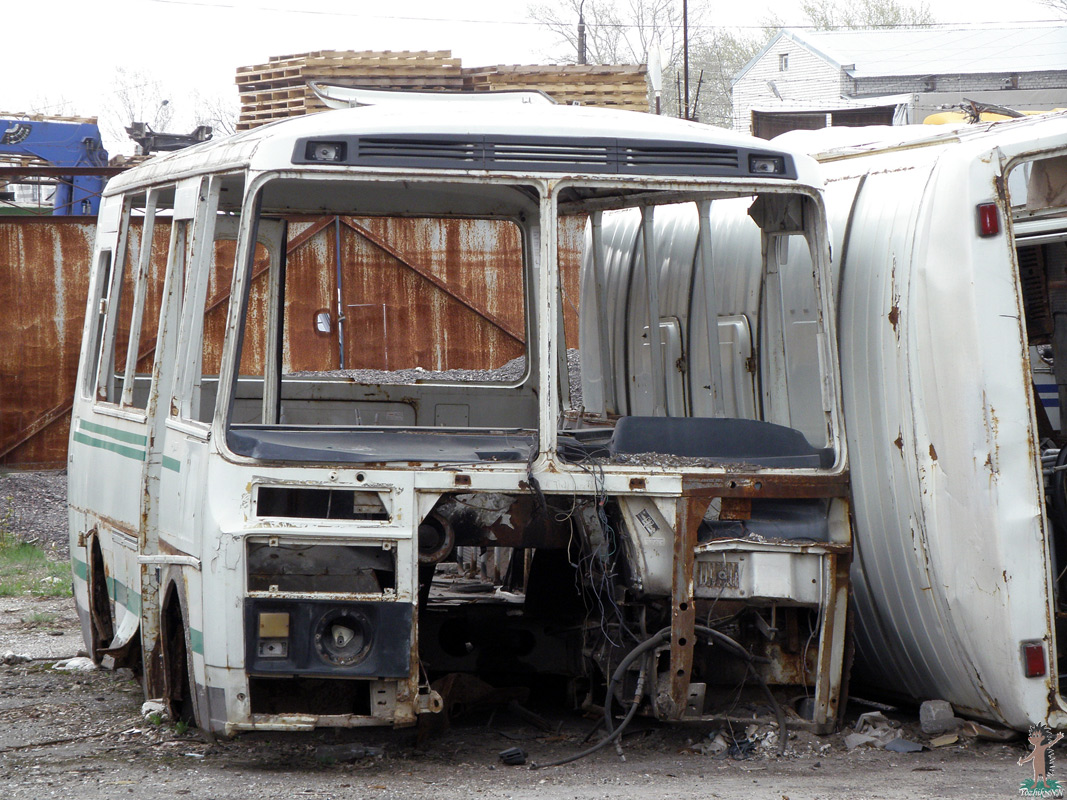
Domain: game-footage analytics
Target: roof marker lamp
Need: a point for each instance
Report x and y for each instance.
(1034, 659)
(988, 219)
(766, 165)
(329, 152)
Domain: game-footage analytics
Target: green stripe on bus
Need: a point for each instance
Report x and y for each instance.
(123, 595)
(196, 640)
(172, 464)
(114, 447)
(81, 569)
(114, 433)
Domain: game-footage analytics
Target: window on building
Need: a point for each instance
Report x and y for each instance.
(783, 62)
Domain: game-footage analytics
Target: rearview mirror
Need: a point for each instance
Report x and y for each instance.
(323, 323)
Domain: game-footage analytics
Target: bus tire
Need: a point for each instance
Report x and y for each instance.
(178, 692)
(101, 617)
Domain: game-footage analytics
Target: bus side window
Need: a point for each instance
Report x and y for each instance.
(145, 306)
(170, 313)
(126, 333)
(115, 313)
(101, 297)
(195, 392)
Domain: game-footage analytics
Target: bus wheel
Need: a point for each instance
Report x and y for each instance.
(177, 673)
(101, 618)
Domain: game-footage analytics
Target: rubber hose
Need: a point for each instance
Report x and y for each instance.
(658, 638)
(653, 641)
(611, 737)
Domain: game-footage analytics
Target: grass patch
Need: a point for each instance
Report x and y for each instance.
(26, 569)
(40, 618)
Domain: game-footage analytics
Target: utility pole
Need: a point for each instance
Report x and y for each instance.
(581, 34)
(685, 52)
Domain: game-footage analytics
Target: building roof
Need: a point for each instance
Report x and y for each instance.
(937, 50)
(836, 104)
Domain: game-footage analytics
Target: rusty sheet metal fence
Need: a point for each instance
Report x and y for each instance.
(44, 275)
(396, 277)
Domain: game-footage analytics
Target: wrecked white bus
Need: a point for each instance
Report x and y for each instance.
(950, 258)
(286, 540)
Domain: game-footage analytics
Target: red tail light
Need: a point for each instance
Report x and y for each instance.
(1034, 659)
(988, 219)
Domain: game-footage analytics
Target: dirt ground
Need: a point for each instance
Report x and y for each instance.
(81, 734)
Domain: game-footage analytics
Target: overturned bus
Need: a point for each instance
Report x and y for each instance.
(292, 516)
(950, 257)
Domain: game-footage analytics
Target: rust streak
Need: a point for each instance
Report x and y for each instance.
(691, 510)
(754, 485)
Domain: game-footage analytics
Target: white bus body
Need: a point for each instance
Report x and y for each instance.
(274, 542)
(950, 267)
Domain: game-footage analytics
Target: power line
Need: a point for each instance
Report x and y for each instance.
(538, 23)
(321, 13)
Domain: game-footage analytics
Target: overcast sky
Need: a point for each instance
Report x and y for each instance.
(61, 56)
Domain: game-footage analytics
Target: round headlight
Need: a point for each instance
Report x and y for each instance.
(343, 637)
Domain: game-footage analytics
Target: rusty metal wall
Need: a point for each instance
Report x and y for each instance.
(399, 278)
(44, 271)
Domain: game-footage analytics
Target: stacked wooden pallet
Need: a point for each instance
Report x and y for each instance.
(278, 89)
(613, 86)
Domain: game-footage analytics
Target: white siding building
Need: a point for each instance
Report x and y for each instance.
(807, 79)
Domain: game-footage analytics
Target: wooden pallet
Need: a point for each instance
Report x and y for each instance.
(17, 115)
(279, 89)
(621, 86)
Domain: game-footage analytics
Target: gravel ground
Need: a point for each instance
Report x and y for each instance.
(33, 506)
(81, 734)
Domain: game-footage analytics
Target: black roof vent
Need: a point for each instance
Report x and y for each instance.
(535, 154)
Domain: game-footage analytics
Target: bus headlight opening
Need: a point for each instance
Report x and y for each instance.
(342, 637)
(766, 165)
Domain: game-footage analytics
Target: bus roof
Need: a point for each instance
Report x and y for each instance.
(830, 144)
(523, 139)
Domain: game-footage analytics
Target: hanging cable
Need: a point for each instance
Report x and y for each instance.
(643, 649)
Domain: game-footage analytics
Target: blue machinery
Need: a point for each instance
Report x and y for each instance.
(74, 145)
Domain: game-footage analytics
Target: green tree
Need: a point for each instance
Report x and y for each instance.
(625, 31)
(832, 15)
(616, 31)
(719, 55)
